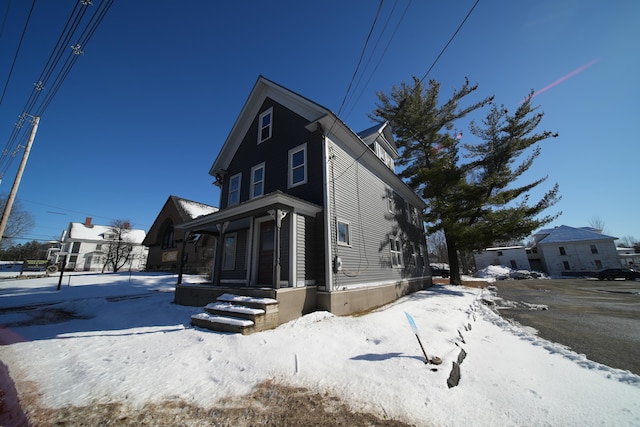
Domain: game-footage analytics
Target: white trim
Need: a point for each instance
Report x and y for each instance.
(239, 177)
(268, 112)
(327, 214)
(348, 224)
(305, 165)
(293, 246)
(397, 250)
(252, 194)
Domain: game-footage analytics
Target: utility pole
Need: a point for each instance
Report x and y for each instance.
(16, 182)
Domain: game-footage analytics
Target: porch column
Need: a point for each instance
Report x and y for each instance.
(277, 215)
(217, 259)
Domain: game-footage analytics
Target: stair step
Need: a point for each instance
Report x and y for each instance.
(222, 323)
(267, 304)
(226, 307)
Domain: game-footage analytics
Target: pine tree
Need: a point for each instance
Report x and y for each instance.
(471, 201)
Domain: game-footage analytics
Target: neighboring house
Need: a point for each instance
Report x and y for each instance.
(514, 257)
(310, 211)
(167, 244)
(568, 251)
(85, 247)
(629, 258)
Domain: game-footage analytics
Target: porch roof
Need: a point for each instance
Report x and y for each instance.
(277, 199)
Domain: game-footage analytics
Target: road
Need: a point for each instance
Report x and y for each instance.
(600, 319)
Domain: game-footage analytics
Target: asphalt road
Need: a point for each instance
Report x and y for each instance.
(600, 319)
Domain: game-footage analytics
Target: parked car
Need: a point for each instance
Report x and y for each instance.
(618, 273)
(439, 271)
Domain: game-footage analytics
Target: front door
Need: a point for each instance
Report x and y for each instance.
(265, 253)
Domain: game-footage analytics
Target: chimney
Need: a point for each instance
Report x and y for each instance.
(126, 225)
(87, 222)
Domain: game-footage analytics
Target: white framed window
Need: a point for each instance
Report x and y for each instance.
(265, 125)
(343, 232)
(395, 248)
(390, 203)
(234, 189)
(229, 252)
(257, 181)
(414, 254)
(298, 165)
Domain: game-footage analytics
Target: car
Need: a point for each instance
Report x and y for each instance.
(439, 271)
(618, 273)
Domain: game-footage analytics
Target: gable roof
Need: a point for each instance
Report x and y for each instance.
(567, 234)
(317, 115)
(380, 132)
(80, 231)
(189, 209)
(262, 90)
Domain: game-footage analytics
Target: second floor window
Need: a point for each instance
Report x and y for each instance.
(265, 122)
(257, 181)
(234, 189)
(298, 165)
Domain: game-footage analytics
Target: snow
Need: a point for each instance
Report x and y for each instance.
(195, 209)
(129, 343)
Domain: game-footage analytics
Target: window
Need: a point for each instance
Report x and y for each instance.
(565, 264)
(229, 252)
(599, 264)
(234, 189)
(499, 253)
(514, 265)
(76, 248)
(562, 251)
(343, 233)
(257, 181)
(594, 250)
(389, 197)
(395, 247)
(167, 238)
(298, 165)
(265, 122)
(414, 254)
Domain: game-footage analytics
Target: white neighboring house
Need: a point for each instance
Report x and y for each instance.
(629, 258)
(569, 251)
(86, 245)
(514, 257)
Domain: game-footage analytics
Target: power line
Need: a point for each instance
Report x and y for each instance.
(63, 45)
(364, 48)
(15, 56)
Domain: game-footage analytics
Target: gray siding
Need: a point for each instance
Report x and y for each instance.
(358, 196)
(308, 257)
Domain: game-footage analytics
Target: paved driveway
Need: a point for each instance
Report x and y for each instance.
(600, 319)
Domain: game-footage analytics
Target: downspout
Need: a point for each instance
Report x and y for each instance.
(328, 270)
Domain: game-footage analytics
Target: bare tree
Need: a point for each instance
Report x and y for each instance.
(20, 222)
(628, 242)
(437, 247)
(597, 223)
(119, 245)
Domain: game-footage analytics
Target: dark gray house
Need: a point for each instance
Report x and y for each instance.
(311, 213)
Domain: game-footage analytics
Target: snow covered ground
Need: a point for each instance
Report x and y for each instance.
(119, 338)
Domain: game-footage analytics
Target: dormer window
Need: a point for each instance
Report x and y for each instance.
(384, 156)
(265, 124)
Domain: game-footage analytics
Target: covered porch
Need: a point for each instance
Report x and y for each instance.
(263, 243)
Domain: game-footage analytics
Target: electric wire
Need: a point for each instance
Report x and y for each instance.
(364, 48)
(15, 56)
(71, 28)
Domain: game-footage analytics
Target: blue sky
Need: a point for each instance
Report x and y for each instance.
(147, 106)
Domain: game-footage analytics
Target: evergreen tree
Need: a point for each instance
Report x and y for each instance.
(469, 201)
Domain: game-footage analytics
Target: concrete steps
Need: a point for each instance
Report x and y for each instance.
(238, 314)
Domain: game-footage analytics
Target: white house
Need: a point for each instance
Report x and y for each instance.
(569, 251)
(511, 256)
(629, 258)
(85, 247)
